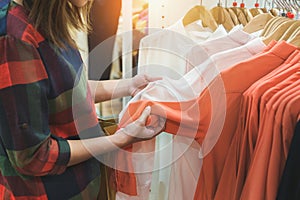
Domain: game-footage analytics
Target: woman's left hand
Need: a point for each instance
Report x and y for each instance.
(139, 82)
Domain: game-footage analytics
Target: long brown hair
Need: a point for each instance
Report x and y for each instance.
(57, 19)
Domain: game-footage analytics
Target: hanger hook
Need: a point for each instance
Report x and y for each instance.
(265, 4)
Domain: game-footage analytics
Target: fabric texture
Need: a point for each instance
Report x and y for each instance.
(235, 38)
(161, 45)
(186, 88)
(194, 118)
(38, 83)
(245, 138)
(269, 157)
(160, 56)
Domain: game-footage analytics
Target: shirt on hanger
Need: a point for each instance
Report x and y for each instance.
(205, 72)
(209, 179)
(253, 94)
(235, 38)
(246, 149)
(250, 105)
(260, 168)
(197, 30)
(195, 119)
(197, 79)
(243, 155)
(185, 149)
(163, 53)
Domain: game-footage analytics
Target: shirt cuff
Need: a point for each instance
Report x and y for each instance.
(63, 156)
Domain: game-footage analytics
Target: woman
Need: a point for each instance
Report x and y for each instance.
(49, 131)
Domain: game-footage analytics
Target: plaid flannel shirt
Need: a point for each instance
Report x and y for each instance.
(37, 81)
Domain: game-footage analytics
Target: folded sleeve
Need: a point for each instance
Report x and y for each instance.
(25, 135)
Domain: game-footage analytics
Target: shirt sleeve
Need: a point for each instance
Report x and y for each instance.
(24, 130)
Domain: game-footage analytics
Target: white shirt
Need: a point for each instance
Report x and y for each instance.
(235, 38)
(196, 80)
(190, 86)
(163, 53)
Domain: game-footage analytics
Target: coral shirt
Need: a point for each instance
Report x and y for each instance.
(243, 144)
(247, 143)
(268, 160)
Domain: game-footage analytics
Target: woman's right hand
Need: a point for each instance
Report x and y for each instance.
(138, 131)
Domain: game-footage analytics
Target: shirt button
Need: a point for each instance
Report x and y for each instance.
(24, 126)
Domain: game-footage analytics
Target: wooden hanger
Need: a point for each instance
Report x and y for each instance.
(295, 38)
(278, 32)
(291, 30)
(247, 14)
(200, 13)
(264, 10)
(233, 16)
(274, 12)
(269, 23)
(258, 23)
(255, 11)
(276, 24)
(221, 16)
(273, 25)
(240, 15)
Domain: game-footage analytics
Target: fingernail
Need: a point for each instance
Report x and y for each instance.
(148, 108)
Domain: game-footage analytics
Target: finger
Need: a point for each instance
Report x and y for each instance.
(145, 114)
(161, 124)
(155, 132)
(151, 79)
(149, 133)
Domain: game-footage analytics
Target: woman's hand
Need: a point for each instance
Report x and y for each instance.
(139, 82)
(138, 131)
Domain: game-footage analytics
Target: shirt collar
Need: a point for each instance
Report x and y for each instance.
(283, 49)
(197, 31)
(256, 46)
(240, 36)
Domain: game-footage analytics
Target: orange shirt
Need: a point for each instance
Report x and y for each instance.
(255, 92)
(213, 164)
(194, 118)
(246, 143)
(246, 133)
(290, 116)
(283, 130)
(265, 167)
